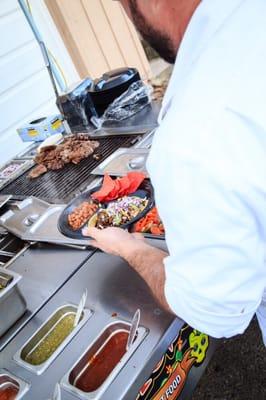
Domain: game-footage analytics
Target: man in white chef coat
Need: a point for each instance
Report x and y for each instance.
(207, 164)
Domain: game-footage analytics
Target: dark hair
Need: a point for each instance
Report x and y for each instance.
(159, 41)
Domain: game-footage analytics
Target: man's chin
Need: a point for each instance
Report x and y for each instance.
(162, 45)
(165, 53)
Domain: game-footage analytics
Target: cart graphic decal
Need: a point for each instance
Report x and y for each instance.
(168, 379)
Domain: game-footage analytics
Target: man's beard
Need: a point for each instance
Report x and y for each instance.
(160, 42)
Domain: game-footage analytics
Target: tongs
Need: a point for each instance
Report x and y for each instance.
(133, 329)
(80, 308)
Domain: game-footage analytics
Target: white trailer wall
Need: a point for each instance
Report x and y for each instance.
(25, 89)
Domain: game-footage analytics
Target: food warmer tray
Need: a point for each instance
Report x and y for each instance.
(145, 190)
(35, 220)
(122, 161)
(24, 165)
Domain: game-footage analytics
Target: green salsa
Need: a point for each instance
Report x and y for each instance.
(43, 351)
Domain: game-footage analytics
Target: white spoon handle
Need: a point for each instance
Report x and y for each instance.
(80, 308)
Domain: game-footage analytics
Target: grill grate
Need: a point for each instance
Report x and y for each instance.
(61, 186)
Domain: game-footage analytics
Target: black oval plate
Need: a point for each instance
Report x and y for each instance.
(145, 190)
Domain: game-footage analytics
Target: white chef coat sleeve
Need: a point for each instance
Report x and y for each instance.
(212, 207)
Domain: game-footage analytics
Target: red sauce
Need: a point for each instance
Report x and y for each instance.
(8, 393)
(100, 366)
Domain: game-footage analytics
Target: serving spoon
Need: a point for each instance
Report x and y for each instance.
(57, 392)
(133, 329)
(80, 308)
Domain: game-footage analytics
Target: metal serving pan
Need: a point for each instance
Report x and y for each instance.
(123, 161)
(8, 380)
(35, 220)
(42, 334)
(22, 215)
(12, 303)
(69, 381)
(145, 190)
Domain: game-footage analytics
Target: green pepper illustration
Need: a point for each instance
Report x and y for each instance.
(199, 343)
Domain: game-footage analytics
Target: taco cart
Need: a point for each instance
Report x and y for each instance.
(48, 270)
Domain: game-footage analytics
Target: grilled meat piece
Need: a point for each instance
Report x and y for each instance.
(74, 149)
(66, 155)
(55, 165)
(37, 171)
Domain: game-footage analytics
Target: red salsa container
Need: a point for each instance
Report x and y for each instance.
(96, 366)
(9, 388)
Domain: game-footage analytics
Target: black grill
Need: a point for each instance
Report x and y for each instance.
(61, 186)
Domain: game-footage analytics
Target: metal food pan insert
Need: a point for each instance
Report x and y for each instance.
(50, 339)
(11, 387)
(102, 361)
(12, 303)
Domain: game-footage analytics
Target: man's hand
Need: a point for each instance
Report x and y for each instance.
(146, 260)
(114, 241)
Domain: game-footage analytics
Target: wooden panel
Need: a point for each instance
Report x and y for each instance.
(127, 37)
(98, 36)
(139, 48)
(103, 33)
(62, 22)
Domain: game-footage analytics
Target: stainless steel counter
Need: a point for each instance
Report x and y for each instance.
(44, 268)
(115, 291)
(112, 288)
